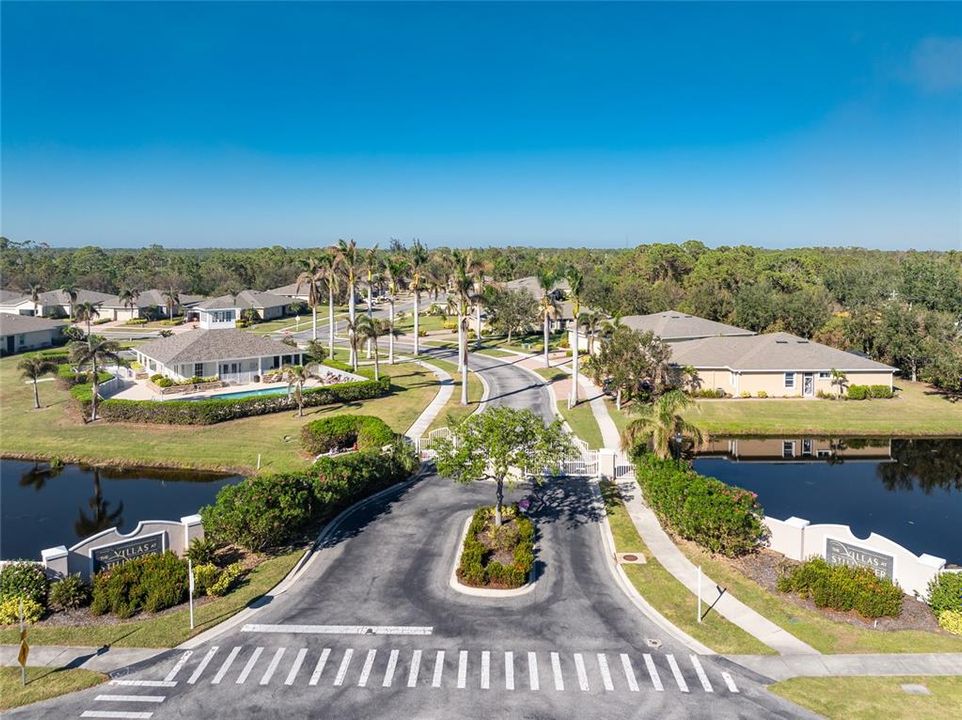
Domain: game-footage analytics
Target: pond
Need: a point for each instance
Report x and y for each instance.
(43, 507)
(909, 490)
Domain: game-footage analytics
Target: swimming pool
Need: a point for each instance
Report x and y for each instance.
(245, 394)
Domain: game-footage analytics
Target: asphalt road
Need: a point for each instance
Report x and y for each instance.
(373, 629)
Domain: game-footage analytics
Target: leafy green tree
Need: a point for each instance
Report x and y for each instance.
(372, 330)
(502, 444)
(839, 381)
(635, 364)
(664, 423)
(929, 281)
(33, 368)
(804, 312)
(754, 307)
(511, 311)
(315, 351)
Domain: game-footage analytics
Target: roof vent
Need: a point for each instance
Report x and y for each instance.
(781, 342)
(802, 342)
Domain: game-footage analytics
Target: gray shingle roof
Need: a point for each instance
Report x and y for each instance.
(7, 295)
(673, 325)
(245, 299)
(773, 352)
(58, 297)
(210, 345)
(530, 285)
(11, 324)
(154, 297)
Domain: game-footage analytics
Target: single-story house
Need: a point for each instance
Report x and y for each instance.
(8, 295)
(560, 292)
(292, 292)
(779, 364)
(232, 355)
(671, 326)
(147, 303)
(25, 332)
(226, 310)
(795, 449)
(53, 303)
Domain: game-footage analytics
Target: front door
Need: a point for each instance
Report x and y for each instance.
(808, 385)
(11, 344)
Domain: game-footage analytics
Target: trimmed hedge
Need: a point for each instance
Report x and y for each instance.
(841, 587)
(719, 517)
(268, 511)
(212, 411)
(866, 392)
(344, 431)
(151, 583)
(477, 566)
(945, 592)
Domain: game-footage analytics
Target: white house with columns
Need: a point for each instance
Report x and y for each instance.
(233, 356)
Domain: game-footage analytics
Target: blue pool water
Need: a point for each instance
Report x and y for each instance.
(246, 393)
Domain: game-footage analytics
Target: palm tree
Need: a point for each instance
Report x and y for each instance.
(295, 376)
(349, 262)
(128, 298)
(86, 312)
(33, 290)
(460, 292)
(71, 292)
(396, 272)
(372, 262)
(102, 517)
(547, 305)
(97, 351)
(591, 321)
(328, 266)
(417, 259)
(839, 381)
(312, 274)
(478, 273)
(172, 298)
(372, 329)
(34, 368)
(353, 334)
(663, 422)
(576, 283)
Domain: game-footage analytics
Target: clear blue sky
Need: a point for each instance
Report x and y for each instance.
(602, 125)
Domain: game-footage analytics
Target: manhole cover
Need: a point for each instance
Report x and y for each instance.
(651, 642)
(630, 558)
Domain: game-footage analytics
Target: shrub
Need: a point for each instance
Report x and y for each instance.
(844, 588)
(341, 431)
(945, 592)
(744, 394)
(951, 620)
(228, 577)
(477, 567)
(883, 392)
(762, 394)
(708, 393)
(24, 578)
(717, 516)
(858, 392)
(163, 382)
(136, 321)
(70, 593)
(205, 577)
(152, 583)
(10, 610)
(203, 551)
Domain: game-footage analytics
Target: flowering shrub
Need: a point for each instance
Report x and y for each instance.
(841, 587)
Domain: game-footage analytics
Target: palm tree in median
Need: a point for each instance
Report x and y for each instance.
(547, 305)
(34, 368)
(349, 262)
(460, 293)
(86, 312)
(312, 274)
(418, 260)
(71, 292)
(576, 283)
(662, 421)
(396, 273)
(97, 351)
(372, 263)
(296, 376)
(328, 267)
(480, 279)
(128, 298)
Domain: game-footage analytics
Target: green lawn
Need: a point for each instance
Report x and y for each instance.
(869, 698)
(43, 683)
(824, 635)
(453, 409)
(167, 629)
(426, 323)
(667, 595)
(580, 418)
(55, 430)
(297, 323)
(495, 352)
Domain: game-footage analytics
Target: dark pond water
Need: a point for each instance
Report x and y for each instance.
(910, 491)
(42, 508)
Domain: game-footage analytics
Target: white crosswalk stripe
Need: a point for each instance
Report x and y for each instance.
(319, 668)
(131, 698)
(251, 661)
(559, 680)
(116, 714)
(366, 669)
(582, 673)
(533, 681)
(676, 671)
(605, 672)
(272, 667)
(438, 669)
(485, 670)
(415, 668)
(178, 666)
(389, 671)
(231, 656)
(730, 682)
(342, 669)
(462, 669)
(199, 670)
(144, 683)
(700, 672)
(508, 670)
(296, 667)
(653, 673)
(629, 672)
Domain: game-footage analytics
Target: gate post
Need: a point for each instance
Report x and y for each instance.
(606, 463)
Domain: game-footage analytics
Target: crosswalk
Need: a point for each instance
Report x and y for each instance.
(429, 669)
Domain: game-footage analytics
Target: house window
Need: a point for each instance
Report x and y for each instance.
(198, 369)
(824, 375)
(806, 447)
(789, 381)
(788, 448)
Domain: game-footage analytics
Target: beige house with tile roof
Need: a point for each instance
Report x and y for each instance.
(671, 326)
(224, 311)
(53, 303)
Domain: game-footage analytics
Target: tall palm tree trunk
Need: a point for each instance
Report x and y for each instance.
(96, 387)
(547, 362)
(573, 397)
(463, 352)
(417, 326)
(36, 394)
(460, 338)
(330, 321)
(352, 313)
(370, 300)
(477, 324)
(377, 361)
(390, 337)
(314, 322)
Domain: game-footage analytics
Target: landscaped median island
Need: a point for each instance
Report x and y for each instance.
(497, 556)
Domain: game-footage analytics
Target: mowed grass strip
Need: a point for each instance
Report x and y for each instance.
(57, 431)
(453, 410)
(169, 628)
(580, 418)
(667, 595)
(43, 683)
(868, 698)
(823, 634)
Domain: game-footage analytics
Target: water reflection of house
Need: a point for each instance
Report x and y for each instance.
(797, 449)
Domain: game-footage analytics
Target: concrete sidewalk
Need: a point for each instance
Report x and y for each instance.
(893, 664)
(434, 408)
(102, 659)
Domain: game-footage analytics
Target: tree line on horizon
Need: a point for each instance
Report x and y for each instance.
(901, 307)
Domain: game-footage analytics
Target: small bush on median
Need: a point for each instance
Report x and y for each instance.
(344, 431)
(945, 592)
(478, 566)
(844, 588)
(227, 579)
(25, 579)
(70, 593)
